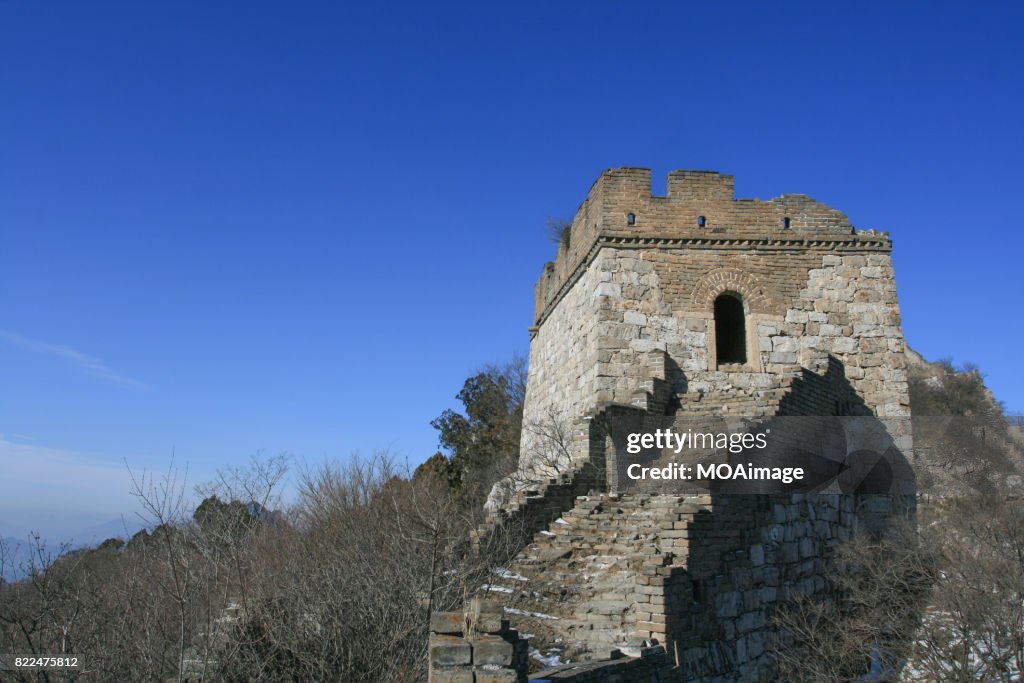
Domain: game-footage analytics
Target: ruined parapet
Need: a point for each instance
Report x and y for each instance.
(699, 211)
(477, 646)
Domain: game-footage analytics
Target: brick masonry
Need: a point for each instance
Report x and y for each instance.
(625, 322)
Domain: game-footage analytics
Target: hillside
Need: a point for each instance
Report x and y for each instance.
(963, 441)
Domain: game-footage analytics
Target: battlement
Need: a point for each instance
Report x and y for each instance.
(699, 211)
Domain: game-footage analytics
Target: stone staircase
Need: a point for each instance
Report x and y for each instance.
(597, 574)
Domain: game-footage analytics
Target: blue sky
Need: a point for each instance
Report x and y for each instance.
(297, 227)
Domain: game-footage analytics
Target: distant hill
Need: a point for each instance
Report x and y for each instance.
(17, 552)
(115, 528)
(980, 450)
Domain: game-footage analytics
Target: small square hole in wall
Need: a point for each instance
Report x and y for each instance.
(630, 218)
(702, 221)
(785, 223)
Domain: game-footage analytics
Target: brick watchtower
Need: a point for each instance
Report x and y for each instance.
(695, 303)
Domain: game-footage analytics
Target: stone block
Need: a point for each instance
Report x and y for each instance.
(646, 345)
(608, 289)
(486, 616)
(447, 623)
(634, 318)
(784, 344)
(449, 651)
(794, 316)
(844, 345)
(451, 676)
(790, 552)
(727, 604)
(491, 650)
(496, 676)
(750, 621)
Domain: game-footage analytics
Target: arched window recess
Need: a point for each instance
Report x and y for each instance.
(730, 329)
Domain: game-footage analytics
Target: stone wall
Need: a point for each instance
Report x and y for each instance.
(700, 574)
(625, 321)
(561, 389)
(800, 309)
(479, 647)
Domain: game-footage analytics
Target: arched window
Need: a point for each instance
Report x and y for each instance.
(730, 329)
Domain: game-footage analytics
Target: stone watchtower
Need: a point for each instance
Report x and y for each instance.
(695, 303)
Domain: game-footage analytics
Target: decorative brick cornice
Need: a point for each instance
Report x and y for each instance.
(860, 243)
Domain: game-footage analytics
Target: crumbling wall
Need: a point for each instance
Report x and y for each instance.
(702, 575)
(477, 646)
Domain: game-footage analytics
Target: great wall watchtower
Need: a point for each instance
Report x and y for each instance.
(691, 304)
(715, 303)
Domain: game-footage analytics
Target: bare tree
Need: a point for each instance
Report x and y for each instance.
(340, 586)
(548, 454)
(345, 592)
(866, 625)
(974, 627)
(169, 553)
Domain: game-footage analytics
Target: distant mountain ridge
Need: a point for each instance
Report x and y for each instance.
(16, 553)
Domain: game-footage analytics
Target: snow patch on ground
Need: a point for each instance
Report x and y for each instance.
(508, 574)
(522, 612)
(551, 659)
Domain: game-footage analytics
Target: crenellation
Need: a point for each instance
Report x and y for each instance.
(785, 223)
(684, 186)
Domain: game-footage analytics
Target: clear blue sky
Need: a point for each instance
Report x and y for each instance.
(298, 227)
